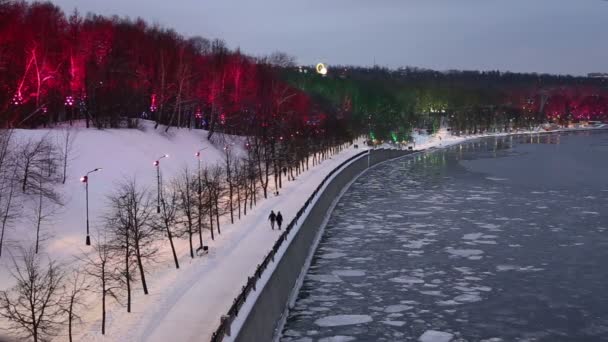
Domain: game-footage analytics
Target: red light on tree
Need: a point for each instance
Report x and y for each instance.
(199, 113)
(153, 106)
(69, 101)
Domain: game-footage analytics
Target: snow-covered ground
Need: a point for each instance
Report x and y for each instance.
(184, 304)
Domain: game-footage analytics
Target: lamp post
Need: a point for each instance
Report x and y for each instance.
(198, 156)
(85, 180)
(157, 164)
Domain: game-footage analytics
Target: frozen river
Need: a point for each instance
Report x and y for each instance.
(501, 239)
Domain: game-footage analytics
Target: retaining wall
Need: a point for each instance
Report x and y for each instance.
(265, 315)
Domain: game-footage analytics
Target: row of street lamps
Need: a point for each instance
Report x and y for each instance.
(85, 179)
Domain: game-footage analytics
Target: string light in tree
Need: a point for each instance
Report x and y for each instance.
(223, 119)
(17, 99)
(199, 113)
(69, 101)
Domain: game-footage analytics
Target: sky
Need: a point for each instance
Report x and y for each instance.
(546, 36)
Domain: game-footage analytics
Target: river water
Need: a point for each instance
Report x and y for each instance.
(499, 239)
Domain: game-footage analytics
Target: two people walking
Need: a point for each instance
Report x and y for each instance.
(278, 218)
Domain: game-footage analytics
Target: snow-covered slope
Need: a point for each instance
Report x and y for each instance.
(123, 154)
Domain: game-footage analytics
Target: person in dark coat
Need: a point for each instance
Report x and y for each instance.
(279, 219)
(272, 217)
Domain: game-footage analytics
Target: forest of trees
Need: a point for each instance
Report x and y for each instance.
(390, 103)
(109, 71)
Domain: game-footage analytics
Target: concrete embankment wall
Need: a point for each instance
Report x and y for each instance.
(265, 315)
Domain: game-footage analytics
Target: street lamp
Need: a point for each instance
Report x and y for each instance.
(157, 164)
(198, 156)
(85, 180)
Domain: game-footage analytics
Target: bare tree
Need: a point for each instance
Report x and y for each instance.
(216, 190)
(199, 207)
(67, 146)
(33, 306)
(133, 233)
(43, 211)
(228, 163)
(167, 218)
(100, 266)
(263, 157)
(74, 289)
(8, 203)
(37, 160)
(187, 205)
(209, 198)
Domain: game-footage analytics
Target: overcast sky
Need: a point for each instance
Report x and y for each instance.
(556, 36)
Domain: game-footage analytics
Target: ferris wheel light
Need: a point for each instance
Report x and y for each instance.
(321, 69)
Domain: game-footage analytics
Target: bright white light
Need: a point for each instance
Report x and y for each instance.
(321, 69)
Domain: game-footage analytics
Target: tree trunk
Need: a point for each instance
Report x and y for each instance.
(70, 318)
(39, 218)
(103, 301)
(211, 217)
(217, 215)
(170, 236)
(128, 270)
(140, 265)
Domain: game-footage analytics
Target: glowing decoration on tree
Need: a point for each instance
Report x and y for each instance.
(69, 101)
(44, 110)
(321, 69)
(153, 106)
(17, 99)
(223, 119)
(199, 113)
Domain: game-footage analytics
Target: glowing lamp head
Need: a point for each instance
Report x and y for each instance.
(197, 154)
(84, 179)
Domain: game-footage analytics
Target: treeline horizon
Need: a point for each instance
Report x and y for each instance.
(109, 71)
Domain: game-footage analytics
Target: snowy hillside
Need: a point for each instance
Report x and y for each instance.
(123, 154)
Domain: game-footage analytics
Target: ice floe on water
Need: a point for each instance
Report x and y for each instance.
(394, 323)
(468, 298)
(503, 268)
(339, 338)
(496, 179)
(340, 320)
(397, 308)
(324, 278)
(472, 254)
(407, 280)
(349, 273)
(333, 255)
(435, 336)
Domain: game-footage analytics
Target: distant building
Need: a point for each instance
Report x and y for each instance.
(597, 75)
